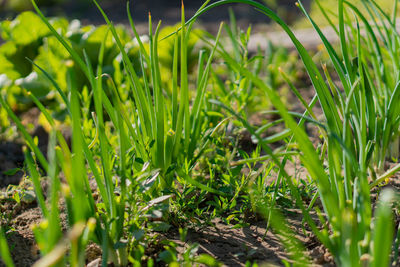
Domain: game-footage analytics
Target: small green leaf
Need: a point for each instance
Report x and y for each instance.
(207, 260)
(121, 244)
(27, 28)
(16, 197)
(160, 226)
(11, 172)
(167, 256)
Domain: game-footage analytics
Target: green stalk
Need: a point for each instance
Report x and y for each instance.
(158, 133)
(36, 182)
(184, 83)
(4, 250)
(140, 99)
(383, 230)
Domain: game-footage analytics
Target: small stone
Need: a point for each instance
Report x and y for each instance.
(95, 263)
(93, 252)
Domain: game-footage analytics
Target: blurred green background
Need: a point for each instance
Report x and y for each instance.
(167, 10)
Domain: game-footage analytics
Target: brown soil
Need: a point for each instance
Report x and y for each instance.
(232, 247)
(20, 237)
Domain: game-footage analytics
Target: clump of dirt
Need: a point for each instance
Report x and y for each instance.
(20, 237)
(235, 246)
(17, 219)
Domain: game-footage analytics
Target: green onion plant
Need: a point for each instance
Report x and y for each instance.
(148, 136)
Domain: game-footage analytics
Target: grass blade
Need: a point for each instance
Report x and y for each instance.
(4, 250)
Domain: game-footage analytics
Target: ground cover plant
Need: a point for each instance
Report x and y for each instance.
(149, 155)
